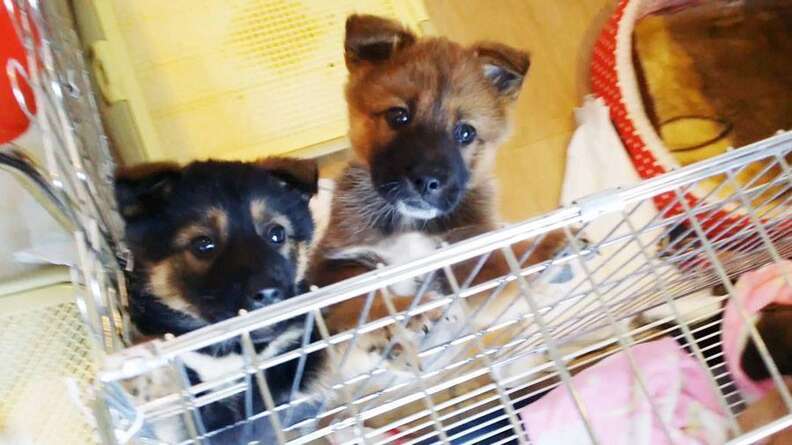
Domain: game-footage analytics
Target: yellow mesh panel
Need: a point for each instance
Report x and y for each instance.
(39, 351)
(241, 78)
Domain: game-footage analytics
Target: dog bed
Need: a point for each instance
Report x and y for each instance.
(618, 80)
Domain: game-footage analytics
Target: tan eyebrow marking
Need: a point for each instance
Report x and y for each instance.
(284, 221)
(215, 224)
(186, 234)
(258, 209)
(219, 218)
(261, 216)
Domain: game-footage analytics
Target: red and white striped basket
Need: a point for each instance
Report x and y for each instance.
(614, 79)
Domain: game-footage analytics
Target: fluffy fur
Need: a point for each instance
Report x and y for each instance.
(211, 239)
(426, 117)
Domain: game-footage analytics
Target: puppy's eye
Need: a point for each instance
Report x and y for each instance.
(397, 117)
(464, 134)
(202, 246)
(276, 234)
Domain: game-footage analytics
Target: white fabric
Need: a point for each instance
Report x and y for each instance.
(29, 236)
(596, 158)
(597, 161)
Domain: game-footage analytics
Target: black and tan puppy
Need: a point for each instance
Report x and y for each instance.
(426, 117)
(211, 239)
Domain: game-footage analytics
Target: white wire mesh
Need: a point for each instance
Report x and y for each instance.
(49, 355)
(74, 177)
(624, 274)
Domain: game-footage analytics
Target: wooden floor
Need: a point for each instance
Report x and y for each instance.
(559, 35)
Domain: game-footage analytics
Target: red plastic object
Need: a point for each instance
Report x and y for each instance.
(605, 83)
(13, 121)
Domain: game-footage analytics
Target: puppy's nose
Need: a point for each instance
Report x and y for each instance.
(268, 295)
(428, 185)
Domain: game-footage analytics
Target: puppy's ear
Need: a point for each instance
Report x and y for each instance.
(505, 67)
(302, 174)
(144, 190)
(372, 39)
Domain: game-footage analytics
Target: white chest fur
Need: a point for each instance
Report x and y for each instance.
(161, 382)
(210, 368)
(405, 247)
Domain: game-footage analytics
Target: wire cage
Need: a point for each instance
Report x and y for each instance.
(51, 347)
(485, 356)
(75, 175)
(473, 360)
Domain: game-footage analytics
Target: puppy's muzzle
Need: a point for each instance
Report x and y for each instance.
(267, 296)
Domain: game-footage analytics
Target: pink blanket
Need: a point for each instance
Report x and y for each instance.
(618, 411)
(755, 290)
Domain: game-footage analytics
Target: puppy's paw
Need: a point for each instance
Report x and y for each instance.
(418, 324)
(421, 324)
(408, 338)
(151, 386)
(383, 349)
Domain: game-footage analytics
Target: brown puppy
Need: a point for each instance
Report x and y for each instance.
(426, 116)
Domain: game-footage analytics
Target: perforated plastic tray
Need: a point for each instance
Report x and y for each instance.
(47, 359)
(187, 79)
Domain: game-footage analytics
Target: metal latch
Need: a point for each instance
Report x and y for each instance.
(600, 203)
